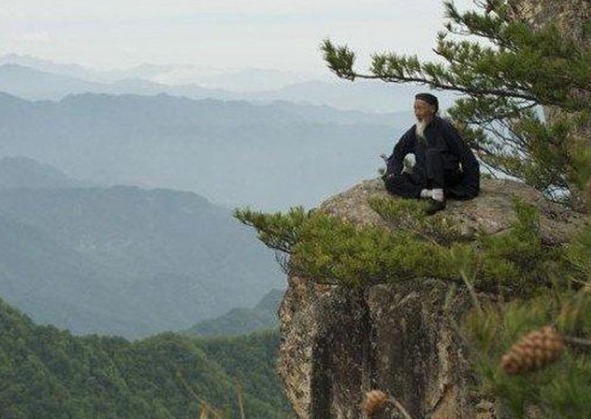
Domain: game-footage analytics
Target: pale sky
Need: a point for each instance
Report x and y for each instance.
(274, 34)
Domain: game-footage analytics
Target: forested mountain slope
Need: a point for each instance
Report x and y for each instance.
(46, 372)
(125, 260)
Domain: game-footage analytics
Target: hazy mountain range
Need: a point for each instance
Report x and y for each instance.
(234, 153)
(253, 79)
(124, 260)
(81, 251)
(24, 172)
(34, 79)
(240, 321)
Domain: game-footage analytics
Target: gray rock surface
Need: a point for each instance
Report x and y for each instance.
(490, 213)
(338, 343)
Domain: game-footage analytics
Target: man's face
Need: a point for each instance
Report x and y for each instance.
(423, 110)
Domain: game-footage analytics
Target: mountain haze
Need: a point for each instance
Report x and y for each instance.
(40, 80)
(23, 172)
(240, 321)
(124, 260)
(34, 84)
(29, 83)
(234, 153)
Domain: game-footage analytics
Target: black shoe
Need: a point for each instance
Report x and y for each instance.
(435, 206)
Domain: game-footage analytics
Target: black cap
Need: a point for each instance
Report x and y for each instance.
(429, 98)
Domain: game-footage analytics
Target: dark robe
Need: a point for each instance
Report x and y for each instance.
(443, 160)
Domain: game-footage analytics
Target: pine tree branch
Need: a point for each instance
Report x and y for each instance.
(390, 78)
(577, 341)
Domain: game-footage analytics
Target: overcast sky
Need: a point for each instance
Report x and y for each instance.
(276, 34)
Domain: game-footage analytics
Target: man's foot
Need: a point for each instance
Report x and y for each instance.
(435, 206)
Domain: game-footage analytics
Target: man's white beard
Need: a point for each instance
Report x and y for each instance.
(420, 129)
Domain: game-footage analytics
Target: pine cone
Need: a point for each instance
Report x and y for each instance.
(534, 351)
(375, 400)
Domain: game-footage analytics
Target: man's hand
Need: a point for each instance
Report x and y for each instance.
(386, 176)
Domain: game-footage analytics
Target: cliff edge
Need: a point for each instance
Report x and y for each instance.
(402, 338)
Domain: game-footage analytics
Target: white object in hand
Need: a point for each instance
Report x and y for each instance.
(409, 162)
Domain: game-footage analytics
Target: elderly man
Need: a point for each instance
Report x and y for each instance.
(444, 166)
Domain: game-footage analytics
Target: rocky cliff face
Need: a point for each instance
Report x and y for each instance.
(570, 16)
(572, 19)
(338, 343)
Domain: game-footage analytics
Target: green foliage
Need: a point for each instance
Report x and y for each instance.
(46, 372)
(249, 359)
(536, 278)
(330, 250)
(506, 71)
(333, 250)
(277, 231)
(578, 258)
(339, 59)
(560, 390)
(581, 169)
(410, 215)
(516, 259)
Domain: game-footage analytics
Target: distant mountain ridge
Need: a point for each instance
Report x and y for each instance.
(241, 321)
(234, 153)
(38, 80)
(33, 84)
(125, 260)
(234, 79)
(24, 172)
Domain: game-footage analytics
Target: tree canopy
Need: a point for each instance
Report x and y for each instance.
(46, 372)
(507, 71)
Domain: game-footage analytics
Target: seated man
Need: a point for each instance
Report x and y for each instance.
(445, 167)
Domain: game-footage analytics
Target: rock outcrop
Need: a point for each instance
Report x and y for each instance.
(571, 17)
(338, 343)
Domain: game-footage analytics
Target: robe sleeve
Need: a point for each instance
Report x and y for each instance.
(470, 165)
(401, 149)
